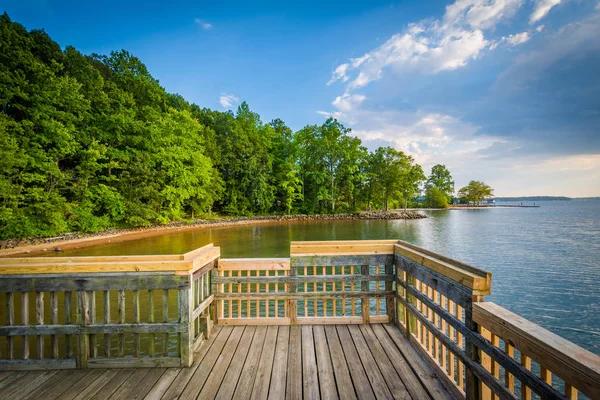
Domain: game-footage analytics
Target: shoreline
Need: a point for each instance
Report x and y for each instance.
(15, 247)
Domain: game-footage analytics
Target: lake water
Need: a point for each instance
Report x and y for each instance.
(545, 261)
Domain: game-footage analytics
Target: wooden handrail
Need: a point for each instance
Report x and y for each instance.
(573, 364)
(254, 264)
(471, 277)
(342, 247)
(178, 264)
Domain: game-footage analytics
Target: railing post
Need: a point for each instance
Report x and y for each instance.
(472, 384)
(292, 307)
(186, 335)
(364, 302)
(82, 316)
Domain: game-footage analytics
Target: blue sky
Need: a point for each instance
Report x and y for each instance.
(505, 91)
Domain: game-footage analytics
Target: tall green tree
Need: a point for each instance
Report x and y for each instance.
(441, 178)
(286, 174)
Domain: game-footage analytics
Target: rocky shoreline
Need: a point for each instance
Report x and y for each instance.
(83, 238)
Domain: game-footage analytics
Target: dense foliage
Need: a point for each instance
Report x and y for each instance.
(90, 142)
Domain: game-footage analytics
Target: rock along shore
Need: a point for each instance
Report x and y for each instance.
(71, 240)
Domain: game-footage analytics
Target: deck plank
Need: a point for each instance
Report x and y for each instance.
(426, 375)
(246, 381)
(58, 384)
(204, 369)
(234, 371)
(373, 373)
(257, 362)
(293, 388)
(357, 372)
(134, 389)
(390, 376)
(410, 380)
(213, 382)
(324, 366)
(79, 386)
(96, 385)
(13, 377)
(19, 390)
(184, 376)
(113, 384)
(265, 365)
(309, 364)
(343, 380)
(279, 373)
(163, 384)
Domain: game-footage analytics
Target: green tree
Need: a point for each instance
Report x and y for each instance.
(441, 178)
(475, 191)
(285, 176)
(435, 198)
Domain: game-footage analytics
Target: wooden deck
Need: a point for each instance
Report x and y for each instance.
(258, 362)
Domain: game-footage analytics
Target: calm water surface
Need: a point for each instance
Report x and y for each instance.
(545, 261)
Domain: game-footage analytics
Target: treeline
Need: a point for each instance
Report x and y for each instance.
(93, 142)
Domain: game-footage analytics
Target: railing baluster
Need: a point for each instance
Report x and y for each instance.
(366, 312)
(525, 390)
(68, 311)
(570, 392)
(444, 303)
(107, 336)
(151, 320)
(509, 379)
(459, 341)
(10, 320)
(24, 321)
(352, 289)
(39, 320)
(93, 340)
(54, 321)
(377, 300)
(165, 313)
(136, 320)
(121, 312)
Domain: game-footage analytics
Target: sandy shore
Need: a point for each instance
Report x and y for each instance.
(23, 247)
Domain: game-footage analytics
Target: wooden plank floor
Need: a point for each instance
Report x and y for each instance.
(257, 362)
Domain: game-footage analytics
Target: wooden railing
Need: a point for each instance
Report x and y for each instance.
(321, 283)
(86, 312)
(479, 349)
(77, 312)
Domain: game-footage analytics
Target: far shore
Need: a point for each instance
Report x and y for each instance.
(24, 247)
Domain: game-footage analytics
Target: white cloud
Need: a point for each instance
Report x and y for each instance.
(228, 100)
(540, 28)
(518, 38)
(202, 24)
(339, 74)
(542, 8)
(430, 47)
(480, 14)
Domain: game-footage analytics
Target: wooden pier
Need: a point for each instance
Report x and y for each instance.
(346, 319)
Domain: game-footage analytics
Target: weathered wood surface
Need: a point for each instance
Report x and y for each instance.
(341, 259)
(92, 282)
(184, 263)
(305, 278)
(254, 362)
(253, 264)
(573, 364)
(471, 277)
